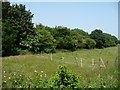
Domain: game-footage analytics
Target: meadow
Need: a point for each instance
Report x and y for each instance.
(96, 67)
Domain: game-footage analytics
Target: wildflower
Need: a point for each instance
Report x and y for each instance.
(9, 77)
(27, 45)
(35, 71)
(20, 75)
(4, 81)
(40, 75)
(3, 71)
(41, 71)
(4, 76)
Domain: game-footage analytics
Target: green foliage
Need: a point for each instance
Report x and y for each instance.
(81, 32)
(90, 43)
(118, 41)
(60, 33)
(42, 41)
(110, 40)
(103, 39)
(98, 36)
(16, 24)
(71, 43)
(8, 40)
(23, 52)
(69, 39)
(8, 33)
(16, 80)
(75, 34)
(64, 79)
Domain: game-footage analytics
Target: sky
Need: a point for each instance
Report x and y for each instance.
(84, 15)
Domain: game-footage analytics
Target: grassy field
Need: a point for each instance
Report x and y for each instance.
(96, 67)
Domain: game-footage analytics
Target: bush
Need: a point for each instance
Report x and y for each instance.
(90, 43)
(64, 79)
(24, 52)
(42, 41)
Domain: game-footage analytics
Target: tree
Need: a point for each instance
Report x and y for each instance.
(8, 33)
(42, 41)
(22, 20)
(80, 37)
(99, 38)
(81, 32)
(115, 40)
(110, 40)
(71, 43)
(60, 33)
(17, 24)
(90, 43)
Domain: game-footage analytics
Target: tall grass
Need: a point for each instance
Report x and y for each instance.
(38, 69)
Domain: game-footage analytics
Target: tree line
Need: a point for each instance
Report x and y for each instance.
(19, 33)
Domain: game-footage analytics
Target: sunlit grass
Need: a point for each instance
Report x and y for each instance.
(29, 65)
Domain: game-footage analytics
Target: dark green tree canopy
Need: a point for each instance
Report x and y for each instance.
(98, 36)
(16, 25)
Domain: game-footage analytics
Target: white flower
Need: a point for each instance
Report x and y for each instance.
(4, 81)
(27, 45)
(9, 77)
(41, 71)
(40, 75)
(4, 76)
(20, 75)
(3, 71)
(35, 71)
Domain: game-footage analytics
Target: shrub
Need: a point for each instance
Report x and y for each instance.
(24, 52)
(90, 43)
(42, 41)
(64, 79)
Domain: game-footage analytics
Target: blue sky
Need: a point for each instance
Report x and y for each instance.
(84, 15)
